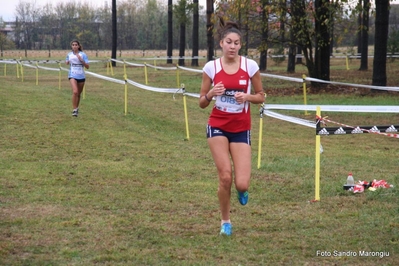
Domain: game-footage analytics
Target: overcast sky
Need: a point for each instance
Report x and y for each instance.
(7, 7)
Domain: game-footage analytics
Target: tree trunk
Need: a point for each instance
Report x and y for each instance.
(322, 49)
(209, 28)
(365, 36)
(114, 32)
(169, 52)
(380, 44)
(263, 60)
(292, 46)
(182, 44)
(359, 31)
(291, 59)
(194, 60)
(265, 31)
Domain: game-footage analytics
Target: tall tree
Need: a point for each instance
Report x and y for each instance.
(264, 31)
(322, 43)
(114, 32)
(358, 10)
(292, 44)
(194, 60)
(209, 28)
(182, 9)
(169, 52)
(380, 44)
(5, 43)
(28, 15)
(48, 21)
(364, 29)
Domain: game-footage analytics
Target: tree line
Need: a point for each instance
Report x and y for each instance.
(310, 28)
(314, 29)
(141, 24)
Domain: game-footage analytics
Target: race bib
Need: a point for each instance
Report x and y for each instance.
(227, 102)
(77, 69)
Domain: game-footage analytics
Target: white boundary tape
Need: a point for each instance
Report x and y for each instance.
(324, 108)
(291, 119)
(105, 77)
(337, 108)
(149, 88)
(355, 85)
(282, 77)
(191, 69)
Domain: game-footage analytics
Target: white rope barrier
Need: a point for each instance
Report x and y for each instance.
(195, 95)
(105, 77)
(48, 68)
(353, 85)
(291, 119)
(164, 68)
(27, 65)
(134, 64)
(172, 57)
(282, 77)
(117, 61)
(337, 108)
(9, 62)
(333, 108)
(292, 79)
(191, 69)
(128, 63)
(145, 87)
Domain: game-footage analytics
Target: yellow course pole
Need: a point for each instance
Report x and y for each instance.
(17, 65)
(262, 108)
(347, 62)
(112, 69)
(317, 163)
(5, 69)
(145, 73)
(37, 74)
(260, 140)
(305, 102)
(185, 111)
(125, 77)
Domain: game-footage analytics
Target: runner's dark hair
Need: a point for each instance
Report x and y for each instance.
(80, 46)
(228, 27)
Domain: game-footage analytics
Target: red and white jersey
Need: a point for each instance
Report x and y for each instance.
(227, 114)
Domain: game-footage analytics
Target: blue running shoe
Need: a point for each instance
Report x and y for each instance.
(243, 197)
(226, 229)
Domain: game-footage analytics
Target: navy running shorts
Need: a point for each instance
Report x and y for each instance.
(243, 136)
(78, 80)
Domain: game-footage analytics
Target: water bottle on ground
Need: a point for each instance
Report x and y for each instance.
(350, 182)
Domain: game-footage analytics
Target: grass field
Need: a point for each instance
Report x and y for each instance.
(113, 189)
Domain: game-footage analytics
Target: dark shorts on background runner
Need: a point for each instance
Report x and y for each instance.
(78, 80)
(243, 136)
